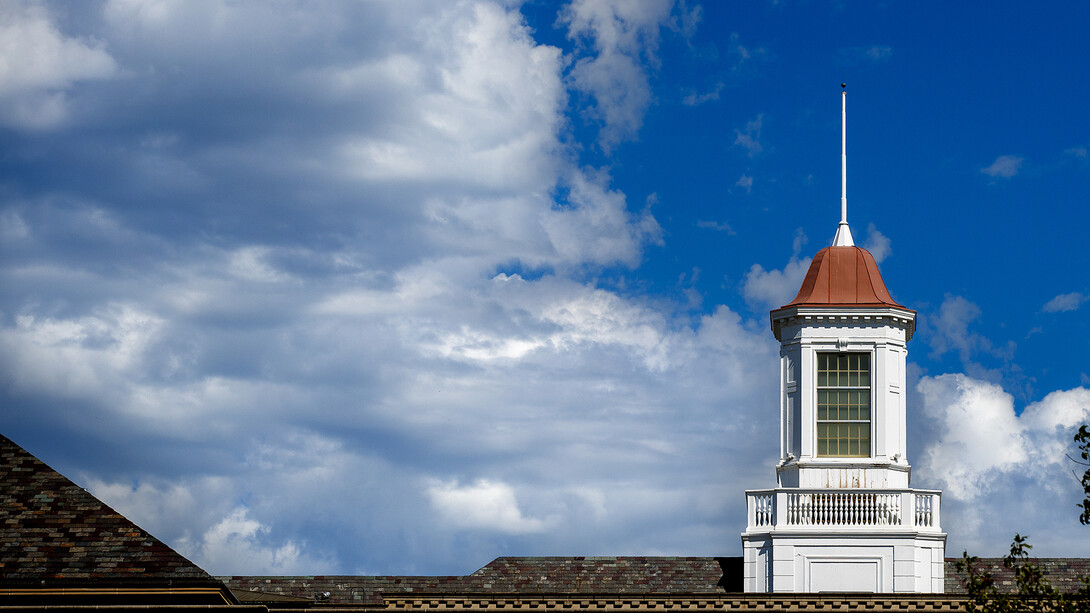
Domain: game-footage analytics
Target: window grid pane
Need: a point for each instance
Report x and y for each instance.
(843, 405)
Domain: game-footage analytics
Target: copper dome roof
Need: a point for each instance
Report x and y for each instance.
(843, 276)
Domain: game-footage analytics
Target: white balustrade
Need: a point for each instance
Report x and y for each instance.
(927, 510)
(843, 509)
(762, 510)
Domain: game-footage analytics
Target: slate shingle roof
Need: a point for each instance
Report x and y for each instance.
(587, 575)
(52, 532)
(1065, 574)
(520, 575)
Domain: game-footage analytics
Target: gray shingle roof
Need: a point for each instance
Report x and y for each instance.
(635, 575)
(52, 532)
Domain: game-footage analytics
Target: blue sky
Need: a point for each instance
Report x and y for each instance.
(393, 288)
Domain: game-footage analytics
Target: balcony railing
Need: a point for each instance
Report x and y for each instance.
(843, 509)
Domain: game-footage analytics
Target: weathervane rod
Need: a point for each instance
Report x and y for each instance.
(843, 236)
(843, 152)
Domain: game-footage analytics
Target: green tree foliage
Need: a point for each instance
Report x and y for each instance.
(1032, 592)
(1083, 439)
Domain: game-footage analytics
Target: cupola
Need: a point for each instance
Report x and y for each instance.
(843, 515)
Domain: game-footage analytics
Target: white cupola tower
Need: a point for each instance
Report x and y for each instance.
(843, 517)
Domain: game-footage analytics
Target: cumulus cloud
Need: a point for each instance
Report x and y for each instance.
(484, 504)
(769, 289)
(625, 38)
(1004, 167)
(234, 546)
(745, 182)
(387, 282)
(980, 435)
(1003, 471)
(1065, 302)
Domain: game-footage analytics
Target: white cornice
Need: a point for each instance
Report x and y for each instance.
(843, 315)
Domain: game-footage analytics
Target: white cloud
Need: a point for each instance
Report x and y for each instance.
(695, 99)
(624, 35)
(235, 545)
(719, 226)
(877, 244)
(769, 289)
(750, 138)
(743, 55)
(1004, 166)
(487, 114)
(483, 505)
(1066, 302)
(952, 328)
(39, 65)
(979, 433)
(73, 357)
(745, 182)
(1003, 472)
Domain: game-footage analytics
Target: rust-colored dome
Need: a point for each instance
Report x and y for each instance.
(843, 276)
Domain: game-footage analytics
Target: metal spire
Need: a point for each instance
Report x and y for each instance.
(843, 236)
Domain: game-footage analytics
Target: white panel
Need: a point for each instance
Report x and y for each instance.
(832, 575)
